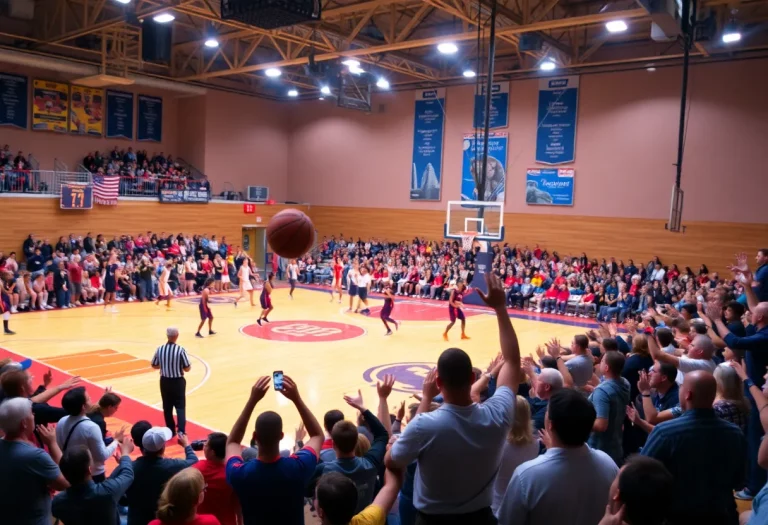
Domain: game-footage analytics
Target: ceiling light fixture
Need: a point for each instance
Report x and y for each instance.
(273, 72)
(469, 73)
(325, 90)
(356, 70)
(731, 36)
(293, 93)
(547, 65)
(351, 62)
(124, 1)
(616, 26)
(447, 48)
(211, 43)
(164, 18)
(382, 83)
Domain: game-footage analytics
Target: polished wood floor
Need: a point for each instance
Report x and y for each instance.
(328, 351)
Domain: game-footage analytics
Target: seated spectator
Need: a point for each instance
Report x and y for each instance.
(336, 499)
(641, 494)
(570, 482)
(86, 502)
(27, 473)
(180, 501)
(151, 471)
(703, 481)
(220, 500)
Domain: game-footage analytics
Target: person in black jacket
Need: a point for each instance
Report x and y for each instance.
(61, 285)
(107, 407)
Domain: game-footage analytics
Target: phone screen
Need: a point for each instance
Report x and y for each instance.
(277, 379)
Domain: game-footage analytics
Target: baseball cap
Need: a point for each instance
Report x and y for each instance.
(155, 438)
(13, 365)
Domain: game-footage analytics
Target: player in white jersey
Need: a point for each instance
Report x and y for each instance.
(244, 278)
(352, 276)
(164, 289)
(363, 287)
(293, 276)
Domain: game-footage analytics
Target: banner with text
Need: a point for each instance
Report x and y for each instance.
(87, 114)
(472, 165)
(119, 115)
(199, 196)
(14, 94)
(558, 111)
(427, 163)
(499, 106)
(50, 106)
(150, 119)
(549, 186)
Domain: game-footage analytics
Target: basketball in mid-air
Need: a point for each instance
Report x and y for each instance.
(291, 233)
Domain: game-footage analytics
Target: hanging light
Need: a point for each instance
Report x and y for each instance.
(616, 26)
(273, 72)
(447, 48)
(293, 93)
(325, 90)
(731, 31)
(547, 65)
(164, 18)
(351, 62)
(468, 73)
(382, 83)
(211, 42)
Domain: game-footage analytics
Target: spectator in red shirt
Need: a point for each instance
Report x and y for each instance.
(75, 280)
(220, 500)
(550, 299)
(562, 299)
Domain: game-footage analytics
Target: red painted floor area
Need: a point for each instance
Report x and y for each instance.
(406, 310)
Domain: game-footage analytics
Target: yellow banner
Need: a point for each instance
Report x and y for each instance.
(86, 116)
(50, 106)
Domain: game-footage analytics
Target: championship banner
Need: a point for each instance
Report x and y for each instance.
(50, 106)
(14, 96)
(549, 186)
(472, 166)
(76, 196)
(119, 115)
(558, 110)
(195, 196)
(86, 116)
(150, 119)
(499, 106)
(427, 163)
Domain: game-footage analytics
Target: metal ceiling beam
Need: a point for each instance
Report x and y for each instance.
(424, 42)
(107, 24)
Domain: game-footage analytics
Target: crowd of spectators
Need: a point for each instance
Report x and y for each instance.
(657, 421)
(71, 272)
(14, 171)
(141, 173)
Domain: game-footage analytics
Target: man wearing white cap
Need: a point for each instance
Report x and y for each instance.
(151, 471)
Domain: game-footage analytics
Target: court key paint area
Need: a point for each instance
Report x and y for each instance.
(328, 351)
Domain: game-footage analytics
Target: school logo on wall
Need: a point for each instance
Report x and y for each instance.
(409, 377)
(303, 331)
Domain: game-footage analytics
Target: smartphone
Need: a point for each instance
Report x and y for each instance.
(277, 379)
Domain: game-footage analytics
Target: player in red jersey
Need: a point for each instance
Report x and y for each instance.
(266, 300)
(454, 309)
(336, 284)
(5, 301)
(205, 308)
(386, 310)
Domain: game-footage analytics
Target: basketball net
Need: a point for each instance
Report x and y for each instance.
(467, 239)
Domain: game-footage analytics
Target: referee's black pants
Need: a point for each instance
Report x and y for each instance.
(173, 393)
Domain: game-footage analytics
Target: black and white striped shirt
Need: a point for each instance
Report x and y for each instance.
(172, 360)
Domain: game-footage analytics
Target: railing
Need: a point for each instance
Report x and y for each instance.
(41, 182)
(150, 186)
(196, 173)
(33, 162)
(60, 165)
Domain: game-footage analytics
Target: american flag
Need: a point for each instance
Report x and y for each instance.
(105, 188)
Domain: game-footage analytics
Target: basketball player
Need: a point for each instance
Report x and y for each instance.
(363, 286)
(164, 289)
(293, 276)
(336, 284)
(266, 300)
(5, 303)
(109, 278)
(244, 277)
(352, 277)
(454, 309)
(386, 310)
(205, 308)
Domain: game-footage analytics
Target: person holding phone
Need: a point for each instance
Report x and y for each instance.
(271, 488)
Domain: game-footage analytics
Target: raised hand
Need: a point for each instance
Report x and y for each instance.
(553, 349)
(385, 388)
(401, 411)
(714, 310)
(290, 390)
(612, 519)
(739, 368)
(47, 434)
(632, 414)
(643, 384)
(540, 352)
(356, 401)
(183, 439)
(70, 383)
(430, 389)
(301, 433)
(613, 329)
(47, 378)
(545, 438)
(126, 446)
(120, 434)
(495, 362)
(495, 297)
(741, 266)
(631, 326)
(259, 389)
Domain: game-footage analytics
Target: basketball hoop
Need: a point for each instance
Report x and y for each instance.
(467, 239)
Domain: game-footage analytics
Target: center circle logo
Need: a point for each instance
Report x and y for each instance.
(303, 331)
(409, 377)
(212, 299)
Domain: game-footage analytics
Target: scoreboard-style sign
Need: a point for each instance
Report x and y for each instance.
(76, 196)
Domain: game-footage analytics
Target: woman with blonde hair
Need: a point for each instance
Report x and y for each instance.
(180, 499)
(638, 360)
(521, 446)
(730, 403)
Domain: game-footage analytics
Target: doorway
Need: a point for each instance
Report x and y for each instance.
(255, 245)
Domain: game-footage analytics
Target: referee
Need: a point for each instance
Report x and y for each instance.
(172, 361)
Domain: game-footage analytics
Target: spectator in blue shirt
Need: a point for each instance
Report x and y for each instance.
(761, 275)
(270, 487)
(611, 298)
(610, 399)
(86, 502)
(704, 481)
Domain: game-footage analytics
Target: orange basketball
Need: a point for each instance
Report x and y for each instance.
(290, 233)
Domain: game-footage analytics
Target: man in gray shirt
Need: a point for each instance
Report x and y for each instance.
(541, 491)
(610, 400)
(580, 363)
(460, 490)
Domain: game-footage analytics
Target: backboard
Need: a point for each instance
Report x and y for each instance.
(485, 218)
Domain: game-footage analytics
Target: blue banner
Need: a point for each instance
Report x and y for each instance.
(549, 186)
(558, 110)
(499, 107)
(119, 115)
(199, 196)
(472, 165)
(427, 164)
(150, 119)
(14, 96)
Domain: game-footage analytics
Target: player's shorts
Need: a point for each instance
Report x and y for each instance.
(362, 292)
(225, 278)
(266, 301)
(246, 285)
(164, 290)
(353, 290)
(109, 286)
(455, 313)
(386, 311)
(217, 277)
(189, 276)
(292, 281)
(77, 288)
(205, 313)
